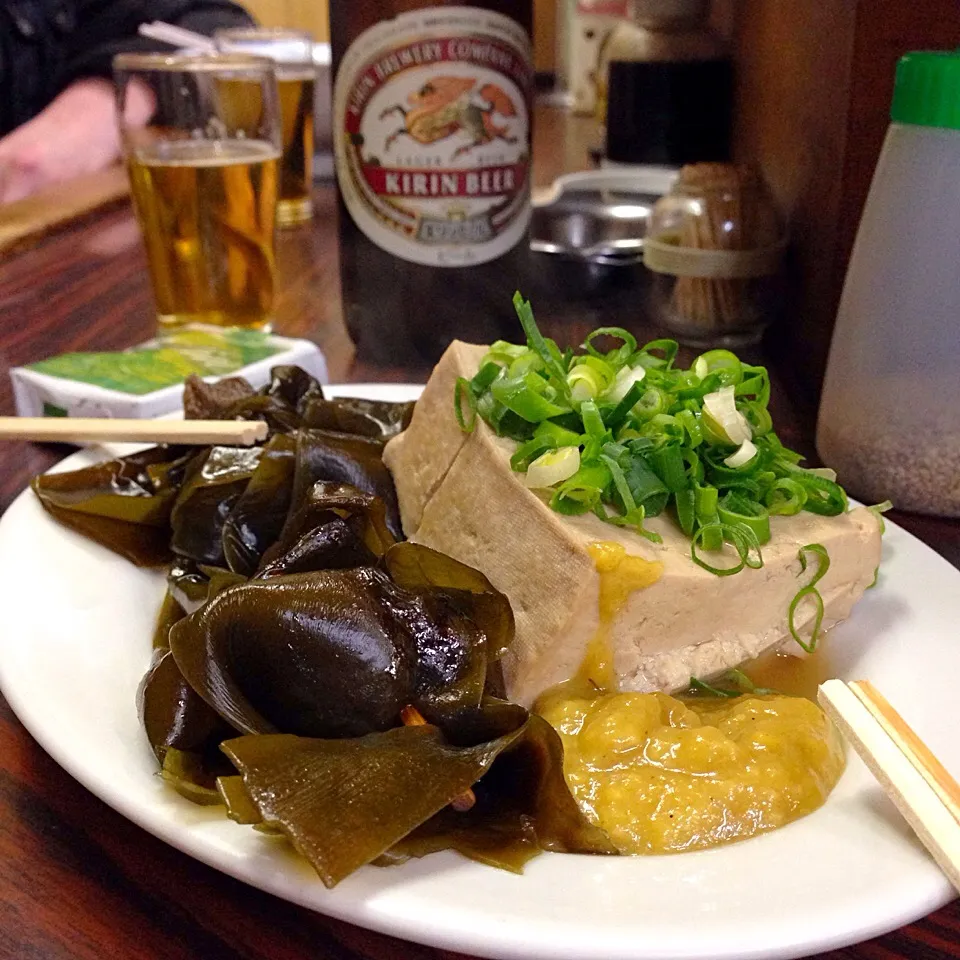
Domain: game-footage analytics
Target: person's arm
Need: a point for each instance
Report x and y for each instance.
(78, 132)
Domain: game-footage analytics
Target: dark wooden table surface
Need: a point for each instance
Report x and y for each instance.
(79, 881)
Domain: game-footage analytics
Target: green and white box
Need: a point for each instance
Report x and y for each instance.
(147, 380)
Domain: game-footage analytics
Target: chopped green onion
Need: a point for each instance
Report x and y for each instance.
(808, 645)
(824, 497)
(685, 502)
(668, 464)
(527, 362)
(593, 424)
(810, 590)
(561, 436)
(707, 498)
(622, 410)
(646, 488)
(583, 491)
(503, 354)
(616, 450)
(758, 416)
(620, 484)
(504, 422)
(722, 363)
(487, 373)
(735, 509)
(464, 393)
(626, 378)
(878, 510)
(755, 383)
(526, 397)
(725, 419)
(585, 384)
(780, 453)
(647, 355)
(701, 686)
(744, 685)
(652, 402)
(716, 533)
(650, 436)
(694, 466)
(537, 343)
(786, 497)
(634, 520)
(553, 467)
(712, 433)
(746, 452)
(691, 424)
(627, 347)
(823, 558)
(738, 533)
(531, 450)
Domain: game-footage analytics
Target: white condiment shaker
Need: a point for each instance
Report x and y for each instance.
(889, 419)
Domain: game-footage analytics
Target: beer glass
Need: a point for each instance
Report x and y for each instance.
(203, 173)
(292, 53)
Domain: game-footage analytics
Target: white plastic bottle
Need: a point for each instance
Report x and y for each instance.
(890, 413)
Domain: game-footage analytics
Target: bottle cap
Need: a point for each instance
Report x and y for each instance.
(926, 90)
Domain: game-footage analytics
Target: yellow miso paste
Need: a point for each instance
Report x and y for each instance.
(662, 774)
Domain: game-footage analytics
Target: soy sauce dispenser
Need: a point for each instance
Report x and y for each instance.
(666, 86)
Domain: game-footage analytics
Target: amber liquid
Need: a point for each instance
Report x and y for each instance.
(296, 90)
(793, 676)
(207, 212)
(399, 312)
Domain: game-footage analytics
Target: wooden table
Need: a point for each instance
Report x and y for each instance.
(79, 881)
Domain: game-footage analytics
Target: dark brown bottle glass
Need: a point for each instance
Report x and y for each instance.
(432, 122)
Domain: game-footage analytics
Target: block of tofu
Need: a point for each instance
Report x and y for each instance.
(458, 494)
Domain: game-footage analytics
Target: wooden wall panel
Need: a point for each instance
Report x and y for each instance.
(309, 15)
(793, 68)
(313, 15)
(814, 87)
(545, 35)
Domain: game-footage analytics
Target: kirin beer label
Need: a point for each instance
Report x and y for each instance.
(432, 134)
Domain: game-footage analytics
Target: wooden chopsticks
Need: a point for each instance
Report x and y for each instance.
(922, 789)
(94, 430)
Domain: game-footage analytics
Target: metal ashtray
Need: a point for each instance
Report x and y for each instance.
(599, 216)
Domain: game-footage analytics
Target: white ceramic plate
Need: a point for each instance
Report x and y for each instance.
(76, 640)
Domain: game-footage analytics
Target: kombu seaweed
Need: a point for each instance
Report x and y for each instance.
(298, 629)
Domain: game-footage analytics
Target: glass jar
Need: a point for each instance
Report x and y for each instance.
(714, 244)
(665, 86)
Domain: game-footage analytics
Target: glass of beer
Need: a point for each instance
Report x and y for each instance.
(203, 173)
(292, 53)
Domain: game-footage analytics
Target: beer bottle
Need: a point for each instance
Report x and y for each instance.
(431, 119)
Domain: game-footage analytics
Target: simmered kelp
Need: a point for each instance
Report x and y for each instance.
(298, 638)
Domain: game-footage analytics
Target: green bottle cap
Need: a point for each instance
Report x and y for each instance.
(926, 91)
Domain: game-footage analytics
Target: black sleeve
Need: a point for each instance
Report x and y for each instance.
(106, 27)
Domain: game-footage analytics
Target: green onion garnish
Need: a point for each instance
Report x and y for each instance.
(819, 551)
(701, 686)
(878, 510)
(653, 437)
(741, 684)
(463, 394)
